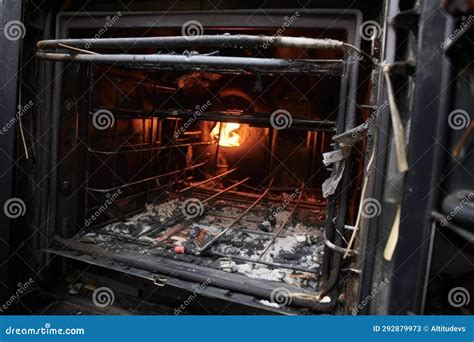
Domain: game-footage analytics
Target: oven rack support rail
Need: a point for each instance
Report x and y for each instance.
(253, 119)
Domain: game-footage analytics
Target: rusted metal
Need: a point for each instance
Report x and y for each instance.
(170, 233)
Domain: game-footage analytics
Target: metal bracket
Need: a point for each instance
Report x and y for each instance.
(353, 136)
(160, 281)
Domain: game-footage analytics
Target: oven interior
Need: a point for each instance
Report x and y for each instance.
(189, 174)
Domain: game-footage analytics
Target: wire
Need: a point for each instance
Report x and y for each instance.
(359, 51)
(361, 204)
(20, 124)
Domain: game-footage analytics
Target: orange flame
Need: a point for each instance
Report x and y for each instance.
(228, 138)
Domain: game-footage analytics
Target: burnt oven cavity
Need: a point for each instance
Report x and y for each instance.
(204, 160)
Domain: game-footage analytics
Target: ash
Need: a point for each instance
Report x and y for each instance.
(300, 244)
(142, 222)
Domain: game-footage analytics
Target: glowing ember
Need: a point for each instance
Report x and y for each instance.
(228, 138)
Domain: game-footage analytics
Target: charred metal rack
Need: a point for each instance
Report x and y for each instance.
(75, 50)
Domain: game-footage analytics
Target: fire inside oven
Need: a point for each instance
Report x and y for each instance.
(215, 165)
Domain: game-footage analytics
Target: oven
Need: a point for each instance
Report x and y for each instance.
(201, 158)
(199, 147)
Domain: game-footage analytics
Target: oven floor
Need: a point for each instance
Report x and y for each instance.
(293, 259)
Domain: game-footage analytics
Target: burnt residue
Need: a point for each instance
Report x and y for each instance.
(300, 246)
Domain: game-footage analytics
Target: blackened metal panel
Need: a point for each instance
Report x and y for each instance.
(10, 42)
(411, 260)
